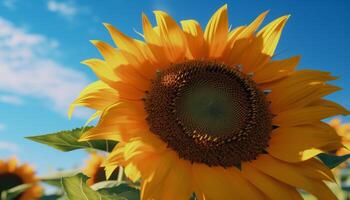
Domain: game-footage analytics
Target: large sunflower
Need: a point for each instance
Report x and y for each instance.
(12, 175)
(343, 130)
(211, 112)
(95, 171)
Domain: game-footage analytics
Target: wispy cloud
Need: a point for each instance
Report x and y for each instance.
(2, 126)
(65, 9)
(28, 70)
(11, 99)
(9, 146)
(10, 4)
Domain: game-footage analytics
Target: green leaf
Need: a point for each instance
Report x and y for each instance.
(12, 193)
(52, 197)
(123, 189)
(76, 189)
(54, 179)
(68, 140)
(331, 161)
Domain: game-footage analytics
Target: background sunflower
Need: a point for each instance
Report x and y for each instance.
(12, 174)
(343, 130)
(95, 171)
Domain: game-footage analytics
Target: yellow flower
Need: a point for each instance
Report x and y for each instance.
(343, 131)
(95, 171)
(210, 112)
(12, 175)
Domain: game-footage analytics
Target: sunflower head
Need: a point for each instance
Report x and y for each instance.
(209, 111)
(12, 174)
(95, 171)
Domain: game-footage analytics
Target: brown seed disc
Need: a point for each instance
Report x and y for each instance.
(209, 113)
(8, 181)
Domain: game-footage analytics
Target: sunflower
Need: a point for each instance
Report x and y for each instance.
(95, 171)
(12, 175)
(210, 113)
(343, 130)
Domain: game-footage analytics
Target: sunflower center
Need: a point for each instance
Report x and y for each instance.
(9, 180)
(209, 113)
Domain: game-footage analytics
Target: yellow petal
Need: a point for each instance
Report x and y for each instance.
(220, 183)
(195, 38)
(292, 175)
(171, 35)
(252, 57)
(216, 32)
(313, 113)
(107, 74)
(124, 42)
(102, 70)
(131, 76)
(314, 168)
(98, 95)
(150, 35)
(252, 27)
(177, 184)
(276, 70)
(243, 48)
(143, 145)
(271, 34)
(233, 35)
(272, 188)
(132, 172)
(293, 144)
(298, 96)
(115, 158)
(117, 122)
(110, 54)
(152, 184)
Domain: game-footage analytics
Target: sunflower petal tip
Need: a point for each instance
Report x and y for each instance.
(84, 62)
(93, 41)
(266, 12)
(106, 24)
(159, 13)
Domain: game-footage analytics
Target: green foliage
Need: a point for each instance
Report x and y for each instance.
(14, 192)
(68, 140)
(54, 179)
(75, 188)
(52, 197)
(123, 189)
(332, 161)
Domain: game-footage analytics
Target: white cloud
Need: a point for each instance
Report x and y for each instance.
(11, 99)
(10, 4)
(27, 68)
(2, 127)
(9, 146)
(65, 9)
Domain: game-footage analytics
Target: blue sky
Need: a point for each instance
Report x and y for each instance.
(42, 44)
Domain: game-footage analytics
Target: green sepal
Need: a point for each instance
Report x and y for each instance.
(332, 161)
(68, 140)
